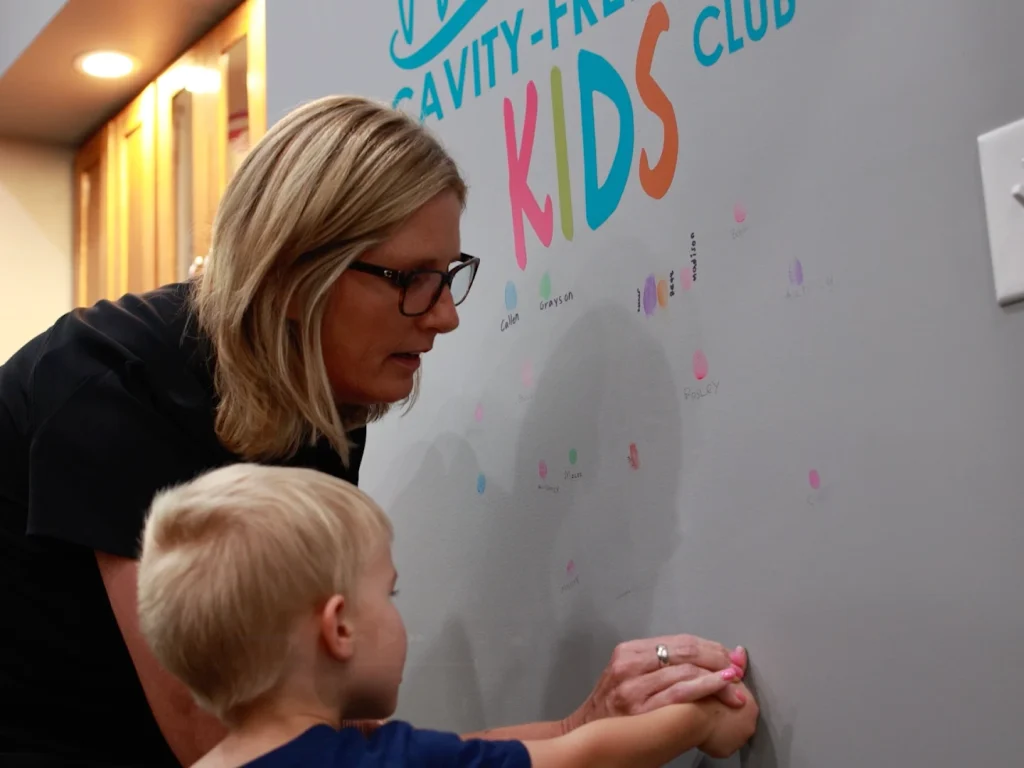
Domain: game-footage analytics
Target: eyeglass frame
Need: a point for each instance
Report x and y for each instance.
(401, 278)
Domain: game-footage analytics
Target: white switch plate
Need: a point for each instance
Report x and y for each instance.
(1002, 171)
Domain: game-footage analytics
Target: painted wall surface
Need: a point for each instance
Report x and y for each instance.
(36, 246)
(732, 366)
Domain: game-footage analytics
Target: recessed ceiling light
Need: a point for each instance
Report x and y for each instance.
(105, 64)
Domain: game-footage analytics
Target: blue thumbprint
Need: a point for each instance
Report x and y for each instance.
(481, 483)
(510, 296)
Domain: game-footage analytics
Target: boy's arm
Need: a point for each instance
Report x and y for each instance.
(545, 729)
(649, 740)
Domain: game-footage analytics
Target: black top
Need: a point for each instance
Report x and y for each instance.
(98, 413)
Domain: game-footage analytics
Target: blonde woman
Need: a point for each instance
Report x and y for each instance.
(335, 263)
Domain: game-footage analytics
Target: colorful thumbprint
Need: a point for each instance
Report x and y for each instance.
(739, 213)
(478, 414)
(572, 456)
(650, 295)
(545, 287)
(634, 456)
(687, 278)
(796, 272)
(814, 479)
(570, 568)
(542, 470)
(527, 374)
(481, 483)
(700, 365)
(511, 299)
(662, 293)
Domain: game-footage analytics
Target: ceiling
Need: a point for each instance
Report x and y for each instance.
(44, 98)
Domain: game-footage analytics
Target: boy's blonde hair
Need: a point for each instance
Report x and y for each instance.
(335, 177)
(233, 558)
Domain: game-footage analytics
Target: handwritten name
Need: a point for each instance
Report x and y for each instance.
(738, 232)
(705, 391)
(693, 255)
(574, 583)
(799, 291)
(570, 475)
(557, 301)
(548, 488)
(511, 320)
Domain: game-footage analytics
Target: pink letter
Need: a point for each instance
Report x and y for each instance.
(520, 195)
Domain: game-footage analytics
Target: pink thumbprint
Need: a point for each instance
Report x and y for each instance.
(542, 469)
(700, 365)
(570, 567)
(687, 278)
(634, 456)
(527, 374)
(815, 479)
(478, 414)
(739, 213)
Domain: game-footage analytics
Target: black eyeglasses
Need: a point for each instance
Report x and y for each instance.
(421, 288)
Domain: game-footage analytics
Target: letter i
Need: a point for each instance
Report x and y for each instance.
(476, 67)
(561, 153)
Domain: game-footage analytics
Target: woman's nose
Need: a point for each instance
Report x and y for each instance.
(443, 317)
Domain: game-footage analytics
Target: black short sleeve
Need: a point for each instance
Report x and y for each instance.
(96, 462)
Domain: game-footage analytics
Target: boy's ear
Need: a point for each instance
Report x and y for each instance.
(336, 630)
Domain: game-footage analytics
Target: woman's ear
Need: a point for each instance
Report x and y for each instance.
(336, 630)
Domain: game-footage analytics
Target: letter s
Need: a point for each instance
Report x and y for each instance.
(657, 180)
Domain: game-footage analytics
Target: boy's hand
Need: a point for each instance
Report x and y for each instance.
(730, 728)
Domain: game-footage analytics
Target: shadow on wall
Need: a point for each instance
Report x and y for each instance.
(542, 575)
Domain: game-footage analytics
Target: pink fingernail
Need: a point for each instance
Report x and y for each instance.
(741, 698)
(729, 674)
(739, 656)
(738, 671)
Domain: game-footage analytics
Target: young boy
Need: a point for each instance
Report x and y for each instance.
(268, 592)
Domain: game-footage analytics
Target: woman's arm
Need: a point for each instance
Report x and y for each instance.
(190, 732)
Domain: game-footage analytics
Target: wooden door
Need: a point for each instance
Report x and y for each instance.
(135, 264)
(94, 220)
(187, 97)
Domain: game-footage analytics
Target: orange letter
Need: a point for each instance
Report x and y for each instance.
(658, 179)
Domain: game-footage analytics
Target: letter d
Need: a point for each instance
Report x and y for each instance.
(596, 75)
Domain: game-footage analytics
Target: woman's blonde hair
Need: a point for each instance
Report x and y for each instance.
(338, 176)
(231, 560)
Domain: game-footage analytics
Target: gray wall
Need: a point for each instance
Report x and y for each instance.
(883, 610)
(20, 22)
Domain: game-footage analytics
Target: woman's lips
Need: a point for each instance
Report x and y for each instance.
(408, 360)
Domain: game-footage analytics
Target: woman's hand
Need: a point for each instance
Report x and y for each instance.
(635, 680)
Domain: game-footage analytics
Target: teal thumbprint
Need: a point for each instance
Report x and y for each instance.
(572, 457)
(481, 483)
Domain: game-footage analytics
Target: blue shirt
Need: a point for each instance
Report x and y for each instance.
(391, 746)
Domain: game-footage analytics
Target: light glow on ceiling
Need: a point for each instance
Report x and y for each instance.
(108, 65)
